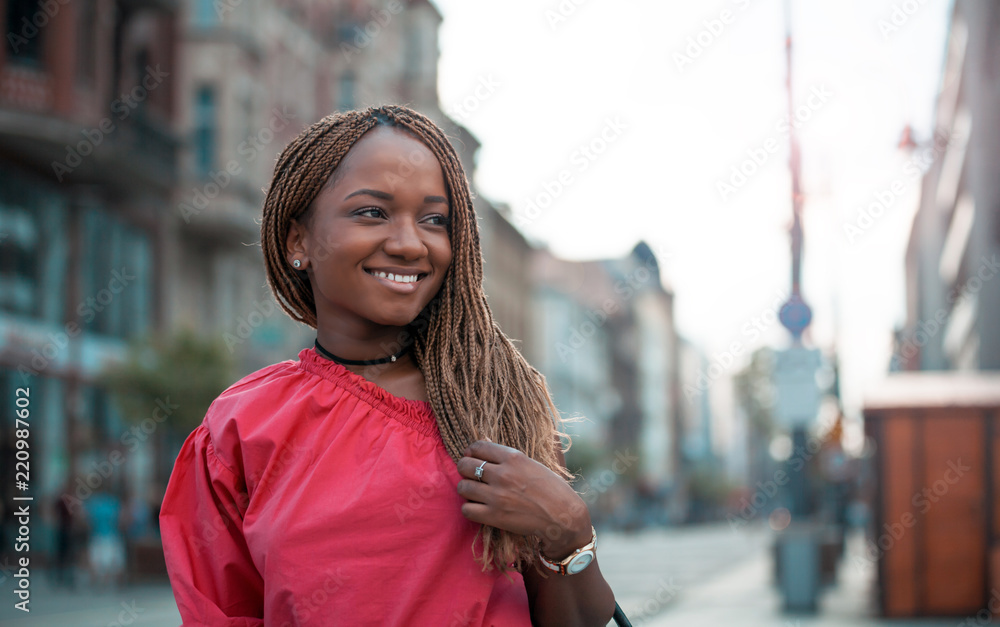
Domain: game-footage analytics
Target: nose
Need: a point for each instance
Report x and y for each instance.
(404, 240)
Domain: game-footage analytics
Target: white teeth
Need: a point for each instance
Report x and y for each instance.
(398, 278)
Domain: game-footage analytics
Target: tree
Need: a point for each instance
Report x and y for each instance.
(172, 379)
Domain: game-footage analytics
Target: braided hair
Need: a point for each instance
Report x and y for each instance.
(478, 384)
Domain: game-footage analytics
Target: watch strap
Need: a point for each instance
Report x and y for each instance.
(562, 565)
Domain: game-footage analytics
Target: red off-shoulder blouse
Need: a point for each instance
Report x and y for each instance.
(311, 496)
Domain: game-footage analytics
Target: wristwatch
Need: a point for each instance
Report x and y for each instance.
(576, 561)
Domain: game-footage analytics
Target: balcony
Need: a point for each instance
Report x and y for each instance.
(137, 153)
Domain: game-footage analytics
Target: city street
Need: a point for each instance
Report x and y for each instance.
(151, 605)
(648, 570)
(651, 570)
(705, 575)
(744, 595)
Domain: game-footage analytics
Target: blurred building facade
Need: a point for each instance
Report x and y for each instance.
(611, 359)
(920, 421)
(87, 167)
(703, 446)
(953, 256)
(137, 140)
(255, 73)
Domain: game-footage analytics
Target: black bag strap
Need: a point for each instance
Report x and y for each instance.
(620, 619)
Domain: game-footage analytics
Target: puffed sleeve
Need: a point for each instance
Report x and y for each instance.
(213, 577)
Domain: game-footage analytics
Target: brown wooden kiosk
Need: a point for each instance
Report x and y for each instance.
(936, 497)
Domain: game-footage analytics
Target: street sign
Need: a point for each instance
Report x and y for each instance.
(798, 395)
(795, 315)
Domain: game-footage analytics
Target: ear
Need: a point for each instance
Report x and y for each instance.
(295, 245)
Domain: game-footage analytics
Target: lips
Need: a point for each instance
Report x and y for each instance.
(398, 276)
(399, 280)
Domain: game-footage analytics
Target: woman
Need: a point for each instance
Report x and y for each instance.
(408, 470)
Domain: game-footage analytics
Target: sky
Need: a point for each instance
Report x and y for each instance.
(603, 124)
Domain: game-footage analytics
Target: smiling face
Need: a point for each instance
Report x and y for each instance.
(376, 243)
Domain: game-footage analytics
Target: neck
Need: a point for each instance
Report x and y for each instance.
(362, 362)
(352, 350)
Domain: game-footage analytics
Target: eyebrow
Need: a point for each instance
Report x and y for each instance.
(387, 196)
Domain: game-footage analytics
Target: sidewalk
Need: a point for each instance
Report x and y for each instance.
(147, 605)
(746, 597)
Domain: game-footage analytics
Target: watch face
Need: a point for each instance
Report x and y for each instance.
(580, 562)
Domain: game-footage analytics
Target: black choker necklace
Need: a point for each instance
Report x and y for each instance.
(362, 362)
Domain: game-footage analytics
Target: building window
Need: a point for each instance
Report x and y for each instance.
(24, 36)
(346, 98)
(20, 255)
(414, 52)
(141, 62)
(116, 278)
(86, 61)
(204, 131)
(204, 13)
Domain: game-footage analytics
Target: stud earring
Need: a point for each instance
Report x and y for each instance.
(297, 263)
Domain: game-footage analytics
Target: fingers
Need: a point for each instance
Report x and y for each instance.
(476, 512)
(467, 467)
(473, 491)
(489, 451)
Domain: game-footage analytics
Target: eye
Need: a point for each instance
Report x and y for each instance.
(439, 220)
(370, 212)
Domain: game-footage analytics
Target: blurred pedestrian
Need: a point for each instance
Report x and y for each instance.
(66, 534)
(106, 547)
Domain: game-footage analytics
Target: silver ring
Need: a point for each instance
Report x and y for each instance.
(479, 472)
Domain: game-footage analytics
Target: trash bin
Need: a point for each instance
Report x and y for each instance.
(797, 551)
